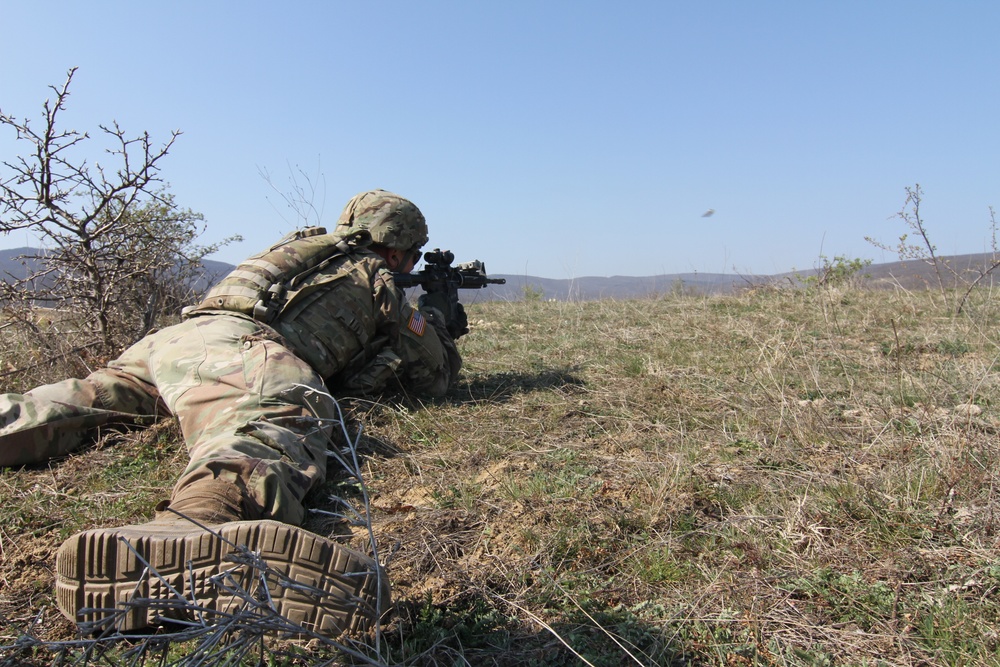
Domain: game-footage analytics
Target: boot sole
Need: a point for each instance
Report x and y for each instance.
(103, 582)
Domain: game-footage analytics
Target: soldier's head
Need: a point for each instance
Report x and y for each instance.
(397, 226)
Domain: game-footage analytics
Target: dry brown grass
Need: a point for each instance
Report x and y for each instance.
(771, 478)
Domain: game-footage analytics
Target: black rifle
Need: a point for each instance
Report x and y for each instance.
(440, 278)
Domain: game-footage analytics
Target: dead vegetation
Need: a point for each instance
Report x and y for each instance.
(780, 477)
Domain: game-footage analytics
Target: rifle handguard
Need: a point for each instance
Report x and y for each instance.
(438, 275)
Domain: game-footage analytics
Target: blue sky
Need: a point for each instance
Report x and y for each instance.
(555, 139)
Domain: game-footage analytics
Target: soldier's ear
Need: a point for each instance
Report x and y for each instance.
(381, 251)
(394, 258)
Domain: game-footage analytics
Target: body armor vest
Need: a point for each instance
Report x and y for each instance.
(315, 289)
(261, 285)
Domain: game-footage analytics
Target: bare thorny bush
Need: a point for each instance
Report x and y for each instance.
(116, 253)
(949, 278)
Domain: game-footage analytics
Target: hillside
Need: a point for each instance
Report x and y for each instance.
(911, 275)
(13, 264)
(770, 477)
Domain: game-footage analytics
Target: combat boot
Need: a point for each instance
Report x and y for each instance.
(198, 562)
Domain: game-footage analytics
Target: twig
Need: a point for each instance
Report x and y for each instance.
(542, 623)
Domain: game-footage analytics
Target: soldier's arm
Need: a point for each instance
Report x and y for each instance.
(414, 348)
(431, 360)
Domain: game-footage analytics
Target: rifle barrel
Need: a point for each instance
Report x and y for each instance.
(404, 280)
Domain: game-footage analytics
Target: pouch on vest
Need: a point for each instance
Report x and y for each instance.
(261, 285)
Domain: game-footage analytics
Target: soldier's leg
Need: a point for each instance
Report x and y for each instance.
(251, 412)
(257, 434)
(55, 419)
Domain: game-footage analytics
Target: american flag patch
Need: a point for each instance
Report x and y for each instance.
(417, 323)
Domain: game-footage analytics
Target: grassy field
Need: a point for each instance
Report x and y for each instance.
(777, 477)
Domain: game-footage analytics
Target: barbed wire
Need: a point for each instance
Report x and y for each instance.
(186, 633)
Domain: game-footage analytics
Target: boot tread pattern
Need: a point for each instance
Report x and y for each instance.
(312, 581)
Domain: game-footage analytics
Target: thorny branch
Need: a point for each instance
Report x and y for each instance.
(112, 246)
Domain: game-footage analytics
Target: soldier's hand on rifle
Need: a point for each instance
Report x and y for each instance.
(454, 314)
(458, 325)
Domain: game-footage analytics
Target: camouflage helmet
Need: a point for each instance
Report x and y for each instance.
(393, 221)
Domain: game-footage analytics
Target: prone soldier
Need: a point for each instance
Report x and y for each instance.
(245, 373)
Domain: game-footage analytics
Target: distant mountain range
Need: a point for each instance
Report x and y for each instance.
(912, 274)
(15, 264)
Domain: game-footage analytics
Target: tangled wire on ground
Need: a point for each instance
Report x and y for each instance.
(190, 634)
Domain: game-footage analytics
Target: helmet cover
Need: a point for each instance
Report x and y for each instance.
(393, 221)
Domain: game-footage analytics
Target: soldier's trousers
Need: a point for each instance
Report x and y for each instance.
(251, 412)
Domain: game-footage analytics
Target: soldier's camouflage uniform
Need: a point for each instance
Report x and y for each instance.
(247, 393)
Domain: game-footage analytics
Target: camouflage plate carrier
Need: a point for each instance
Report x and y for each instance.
(263, 284)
